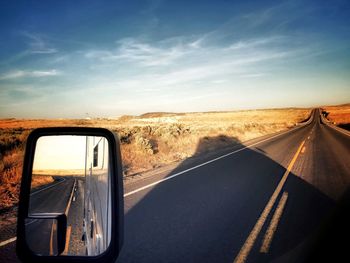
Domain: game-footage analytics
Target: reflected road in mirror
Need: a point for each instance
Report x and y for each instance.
(70, 177)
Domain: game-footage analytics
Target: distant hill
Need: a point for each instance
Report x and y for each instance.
(338, 105)
(160, 114)
(344, 105)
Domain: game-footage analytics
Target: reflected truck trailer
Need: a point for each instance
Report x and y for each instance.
(97, 196)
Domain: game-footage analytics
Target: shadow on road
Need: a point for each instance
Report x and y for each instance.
(206, 214)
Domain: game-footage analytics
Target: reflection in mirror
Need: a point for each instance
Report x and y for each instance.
(69, 206)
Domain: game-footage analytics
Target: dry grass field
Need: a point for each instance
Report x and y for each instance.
(38, 180)
(12, 143)
(339, 115)
(148, 141)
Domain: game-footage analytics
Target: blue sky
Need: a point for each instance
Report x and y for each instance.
(73, 59)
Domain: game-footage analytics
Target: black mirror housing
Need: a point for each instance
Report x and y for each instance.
(24, 253)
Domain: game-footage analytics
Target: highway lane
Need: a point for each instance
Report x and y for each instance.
(40, 232)
(210, 213)
(50, 198)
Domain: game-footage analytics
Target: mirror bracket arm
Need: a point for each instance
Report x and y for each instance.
(61, 227)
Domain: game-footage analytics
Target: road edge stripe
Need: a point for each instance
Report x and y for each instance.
(10, 240)
(70, 198)
(48, 187)
(208, 162)
(333, 126)
(68, 234)
(53, 227)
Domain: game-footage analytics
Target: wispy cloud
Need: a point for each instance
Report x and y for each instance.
(254, 75)
(37, 44)
(29, 73)
(182, 62)
(188, 52)
(145, 54)
(259, 42)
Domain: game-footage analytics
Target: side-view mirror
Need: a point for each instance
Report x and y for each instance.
(71, 199)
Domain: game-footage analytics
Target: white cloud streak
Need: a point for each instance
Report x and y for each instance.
(37, 44)
(180, 62)
(31, 74)
(145, 54)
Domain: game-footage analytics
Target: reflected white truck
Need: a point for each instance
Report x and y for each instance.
(97, 195)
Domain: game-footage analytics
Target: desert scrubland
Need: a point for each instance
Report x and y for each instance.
(339, 115)
(147, 141)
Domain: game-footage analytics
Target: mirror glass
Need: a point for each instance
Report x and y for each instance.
(69, 206)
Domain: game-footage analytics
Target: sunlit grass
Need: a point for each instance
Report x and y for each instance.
(147, 141)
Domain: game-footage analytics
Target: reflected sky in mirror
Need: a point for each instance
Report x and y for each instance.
(60, 152)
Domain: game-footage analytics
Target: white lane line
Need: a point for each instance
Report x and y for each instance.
(31, 222)
(339, 129)
(208, 162)
(334, 127)
(273, 224)
(4, 243)
(47, 187)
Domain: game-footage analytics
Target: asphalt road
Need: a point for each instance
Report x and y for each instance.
(264, 201)
(245, 207)
(51, 199)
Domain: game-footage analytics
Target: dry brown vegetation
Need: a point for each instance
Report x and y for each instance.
(150, 140)
(11, 158)
(39, 180)
(339, 115)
